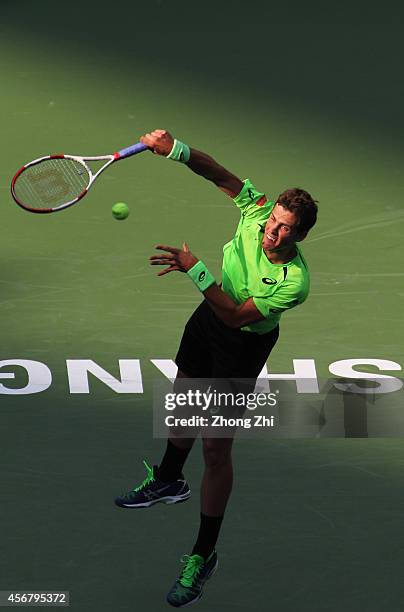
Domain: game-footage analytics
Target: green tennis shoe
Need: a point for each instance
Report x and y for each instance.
(188, 587)
(152, 491)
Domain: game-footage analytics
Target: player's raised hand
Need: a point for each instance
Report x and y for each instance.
(180, 260)
(160, 141)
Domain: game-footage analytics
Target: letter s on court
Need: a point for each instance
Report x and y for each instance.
(385, 384)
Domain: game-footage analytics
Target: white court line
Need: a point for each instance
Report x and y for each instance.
(29, 298)
(375, 225)
(383, 216)
(355, 274)
(320, 514)
(344, 293)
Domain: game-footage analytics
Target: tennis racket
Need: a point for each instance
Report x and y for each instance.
(55, 182)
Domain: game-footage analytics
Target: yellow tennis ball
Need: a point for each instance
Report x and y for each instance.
(120, 210)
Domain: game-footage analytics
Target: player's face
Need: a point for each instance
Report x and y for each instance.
(280, 230)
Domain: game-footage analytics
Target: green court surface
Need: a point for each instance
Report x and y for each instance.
(296, 96)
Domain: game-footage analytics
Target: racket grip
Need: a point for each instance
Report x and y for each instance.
(132, 150)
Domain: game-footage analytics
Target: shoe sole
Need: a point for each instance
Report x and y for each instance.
(164, 500)
(194, 601)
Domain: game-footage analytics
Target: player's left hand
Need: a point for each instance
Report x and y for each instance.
(180, 260)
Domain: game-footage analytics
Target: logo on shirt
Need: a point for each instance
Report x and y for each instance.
(269, 281)
(201, 276)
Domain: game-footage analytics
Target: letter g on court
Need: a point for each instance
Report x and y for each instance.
(39, 377)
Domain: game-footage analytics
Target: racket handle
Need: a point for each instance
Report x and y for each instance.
(132, 150)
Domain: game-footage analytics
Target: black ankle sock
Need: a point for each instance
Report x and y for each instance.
(207, 536)
(172, 463)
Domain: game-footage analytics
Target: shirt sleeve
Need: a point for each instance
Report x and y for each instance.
(284, 298)
(249, 196)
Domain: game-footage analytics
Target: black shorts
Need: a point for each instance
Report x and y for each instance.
(211, 349)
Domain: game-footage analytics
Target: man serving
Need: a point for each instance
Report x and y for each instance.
(229, 336)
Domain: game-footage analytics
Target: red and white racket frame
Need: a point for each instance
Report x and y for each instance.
(110, 159)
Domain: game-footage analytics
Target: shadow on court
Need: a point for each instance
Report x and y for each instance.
(336, 62)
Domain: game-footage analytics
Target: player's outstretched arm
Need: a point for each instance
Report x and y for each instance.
(206, 166)
(161, 142)
(182, 260)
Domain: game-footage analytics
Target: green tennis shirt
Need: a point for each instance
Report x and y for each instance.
(247, 272)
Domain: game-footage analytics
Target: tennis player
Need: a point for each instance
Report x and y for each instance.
(229, 336)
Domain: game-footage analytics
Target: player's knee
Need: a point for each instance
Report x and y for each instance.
(216, 453)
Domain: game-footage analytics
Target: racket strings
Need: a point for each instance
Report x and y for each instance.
(51, 183)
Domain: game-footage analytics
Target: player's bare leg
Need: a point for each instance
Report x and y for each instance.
(217, 479)
(164, 483)
(179, 441)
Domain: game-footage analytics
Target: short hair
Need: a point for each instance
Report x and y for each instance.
(302, 205)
